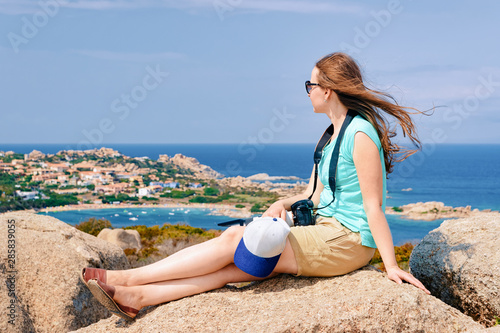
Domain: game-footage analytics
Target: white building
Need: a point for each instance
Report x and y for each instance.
(144, 191)
(27, 195)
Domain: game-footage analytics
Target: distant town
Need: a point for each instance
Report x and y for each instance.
(105, 176)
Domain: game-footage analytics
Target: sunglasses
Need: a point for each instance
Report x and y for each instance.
(309, 86)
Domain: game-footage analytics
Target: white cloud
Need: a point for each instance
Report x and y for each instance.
(17, 7)
(297, 6)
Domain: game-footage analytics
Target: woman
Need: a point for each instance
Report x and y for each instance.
(347, 230)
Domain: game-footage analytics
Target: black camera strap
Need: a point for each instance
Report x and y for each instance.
(318, 152)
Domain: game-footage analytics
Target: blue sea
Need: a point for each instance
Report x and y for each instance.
(458, 175)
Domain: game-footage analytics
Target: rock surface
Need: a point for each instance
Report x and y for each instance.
(281, 189)
(49, 257)
(126, 239)
(362, 301)
(265, 176)
(459, 262)
(433, 210)
(201, 170)
(231, 212)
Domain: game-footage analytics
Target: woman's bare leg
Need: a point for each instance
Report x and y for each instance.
(196, 260)
(138, 297)
(161, 292)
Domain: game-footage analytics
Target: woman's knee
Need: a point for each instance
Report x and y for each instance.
(232, 235)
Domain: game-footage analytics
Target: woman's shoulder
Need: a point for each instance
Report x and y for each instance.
(360, 124)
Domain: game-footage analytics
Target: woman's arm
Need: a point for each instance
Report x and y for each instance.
(279, 208)
(369, 169)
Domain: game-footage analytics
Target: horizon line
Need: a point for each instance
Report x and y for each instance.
(223, 143)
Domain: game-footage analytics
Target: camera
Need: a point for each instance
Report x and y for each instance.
(302, 212)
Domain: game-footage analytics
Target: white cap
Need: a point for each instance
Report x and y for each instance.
(260, 248)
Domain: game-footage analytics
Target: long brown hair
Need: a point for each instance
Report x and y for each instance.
(340, 73)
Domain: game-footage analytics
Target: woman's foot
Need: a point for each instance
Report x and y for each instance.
(91, 273)
(105, 294)
(114, 278)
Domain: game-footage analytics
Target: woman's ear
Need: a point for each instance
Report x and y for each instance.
(327, 94)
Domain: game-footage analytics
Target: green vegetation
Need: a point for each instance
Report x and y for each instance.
(172, 231)
(158, 243)
(202, 199)
(149, 199)
(9, 158)
(14, 203)
(205, 199)
(397, 209)
(93, 226)
(402, 252)
(7, 183)
(55, 200)
(239, 206)
(259, 199)
(176, 194)
(8, 200)
(258, 208)
(121, 197)
(210, 191)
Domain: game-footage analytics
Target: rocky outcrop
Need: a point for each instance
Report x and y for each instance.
(47, 296)
(36, 155)
(241, 182)
(42, 278)
(191, 163)
(231, 212)
(265, 176)
(126, 239)
(101, 152)
(459, 262)
(433, 210)
(281, 189)
(362, 301)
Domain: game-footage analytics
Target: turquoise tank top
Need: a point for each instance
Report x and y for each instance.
(348, 205)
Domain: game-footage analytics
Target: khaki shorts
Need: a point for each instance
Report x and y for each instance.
(328, 248)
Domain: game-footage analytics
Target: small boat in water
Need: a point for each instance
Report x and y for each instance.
(133, 218)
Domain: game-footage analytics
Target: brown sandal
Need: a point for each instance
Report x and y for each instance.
(91, 273)
(104, 295)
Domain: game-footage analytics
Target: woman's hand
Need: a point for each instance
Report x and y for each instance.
(277, 209)
(397, 275)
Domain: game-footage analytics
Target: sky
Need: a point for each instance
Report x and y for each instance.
(92, 72)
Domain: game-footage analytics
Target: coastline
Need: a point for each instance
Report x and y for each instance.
(424, 211)
(434, 210)
(220, 209)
